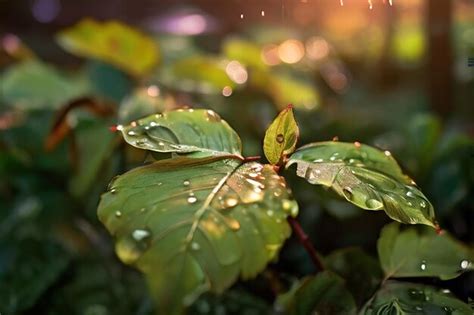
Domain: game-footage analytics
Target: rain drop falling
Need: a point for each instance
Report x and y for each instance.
(280, 138)
(242, 16)
(262, 13)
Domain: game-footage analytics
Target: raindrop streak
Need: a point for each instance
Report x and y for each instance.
(280, 138)
(370, 4)
(262, 13)
(242, 16)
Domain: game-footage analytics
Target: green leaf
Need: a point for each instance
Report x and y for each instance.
(112, 42)
(367, 177)
(245, 52)
(281, 137)
(194, 225)
(201, 74)
(324, 293)
(361, 272)
(184, 131)
(285, 89)
(95, 145)
(34, 85)
(422, 253)
(400, 298)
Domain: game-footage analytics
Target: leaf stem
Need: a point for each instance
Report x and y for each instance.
(305, 241)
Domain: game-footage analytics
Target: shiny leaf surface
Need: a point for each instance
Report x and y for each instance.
(203, 222)
(183, 131)
(422, 253)
(281, 136)
(112, 42)
(400, 298)
(367, 177)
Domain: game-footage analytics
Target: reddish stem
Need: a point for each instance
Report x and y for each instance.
(305, 241)
(252, 158)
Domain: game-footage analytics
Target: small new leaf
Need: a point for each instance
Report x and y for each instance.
(281, 137)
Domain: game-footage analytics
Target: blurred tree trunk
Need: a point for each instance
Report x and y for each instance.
(440, 57)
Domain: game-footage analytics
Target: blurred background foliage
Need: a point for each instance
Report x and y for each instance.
(70, 70)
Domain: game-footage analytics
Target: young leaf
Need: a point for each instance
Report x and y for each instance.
(184, 131)
(281, 137)
(112, 42)
(324, 293)
(423, 253)
(193, 225)
(400, 298)
(369, 178)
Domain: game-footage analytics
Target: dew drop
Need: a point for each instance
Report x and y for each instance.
(357, 144)
(153, 124)
(195, 246)
(270, 213)
(347, 191)
(387, 153)
(161, 144)
(373, 204)
(113, 191)
(423, 204)
(118, 213)
(131, 133)
(192, 199)
(233, 224)
(318, 160)
(410, 194)
(212, 116)
(280, 138)
(230, 202)
(423, 265)
(186, 183)
(465, 264)
(139, 235)
(142, 209)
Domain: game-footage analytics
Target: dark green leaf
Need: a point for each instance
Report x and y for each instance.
(422, 253)
(324, 293)
(281, 136)
(361, 271)
(34, 85)
(184, 131)
(400, 298)
(367, 177)
(193, 225)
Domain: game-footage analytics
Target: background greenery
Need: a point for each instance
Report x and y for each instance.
(359, 75)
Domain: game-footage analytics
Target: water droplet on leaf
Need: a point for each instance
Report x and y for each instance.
(280, 138)
(118, 214)
(140, 234)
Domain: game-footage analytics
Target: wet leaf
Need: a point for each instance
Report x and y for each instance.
(281, 136)
(422, 253)
(194, 225)
(400, 298)
(184, 131)
(112, 42)
(324, 293)
(367, 177)
(361, 272)
(33, 85)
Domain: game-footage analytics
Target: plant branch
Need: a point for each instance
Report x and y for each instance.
(305, 241)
